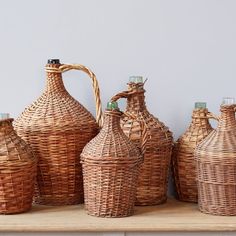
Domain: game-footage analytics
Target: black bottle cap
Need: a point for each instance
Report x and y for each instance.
(53, 61)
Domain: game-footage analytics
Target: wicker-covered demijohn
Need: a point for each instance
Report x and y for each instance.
(216, 166)
(18, 168)
(57, 127)
(183, 161)
(153, 178)
(111, 165)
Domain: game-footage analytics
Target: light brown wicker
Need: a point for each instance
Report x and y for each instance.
(111, 166)
(18, 167)
(153, 178)
(216, 167)
(183, 161)
(57, 127)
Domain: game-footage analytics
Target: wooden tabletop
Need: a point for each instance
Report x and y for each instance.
(172, 216)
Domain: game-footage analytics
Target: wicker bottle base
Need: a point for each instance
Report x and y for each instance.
(12, 202)
(117, 188)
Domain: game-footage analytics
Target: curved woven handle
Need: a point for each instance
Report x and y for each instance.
(145, 135)
(210, 115)
(124, 94)
(66, 67)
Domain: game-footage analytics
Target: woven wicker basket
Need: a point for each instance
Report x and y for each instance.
(183, 161)
(58, 127)
(216, 167)
(111, 166)
(153, 178)
(18, 168)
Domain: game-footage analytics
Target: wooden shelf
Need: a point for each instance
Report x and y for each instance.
(172, 216)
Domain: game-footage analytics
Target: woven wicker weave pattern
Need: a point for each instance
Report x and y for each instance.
(216, 167)
(57, 127)
(17, 171)
(111, 166)
(184, 164)
(153, 178)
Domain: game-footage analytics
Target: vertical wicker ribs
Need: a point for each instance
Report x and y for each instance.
(111, 166)
(57, 127)
(184, 164)
(153, 178)
(18, 168)
(216, 166)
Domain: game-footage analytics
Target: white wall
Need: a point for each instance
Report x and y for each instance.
(187, 49)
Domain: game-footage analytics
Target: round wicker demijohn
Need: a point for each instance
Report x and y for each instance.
(216, 166)
(57, 127)
(111, 166)
(18, 168)
(183, 161)
(154, 173)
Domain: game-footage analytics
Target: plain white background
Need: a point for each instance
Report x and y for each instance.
(186, 48)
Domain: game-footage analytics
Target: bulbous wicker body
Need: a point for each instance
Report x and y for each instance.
(111, 166)
(18, 168)
(216, 167)
(57, 127)
(154, 173)
(184, 163)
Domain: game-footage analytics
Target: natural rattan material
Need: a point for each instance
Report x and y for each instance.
(58, 127)
(18, 167)
(111, 164)
(153, 178)
(216, 167)
(184, 164)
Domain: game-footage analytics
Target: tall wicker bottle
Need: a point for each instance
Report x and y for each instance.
(153, 178)
(18, 168)
(57, 127)
(216, 166)
(111, 164)
(184, 164)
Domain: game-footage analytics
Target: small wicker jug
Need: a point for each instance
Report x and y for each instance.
(216, 166)
(183, 161)
(58, 127)
(153, 178)
(18, 168)
(111, 166)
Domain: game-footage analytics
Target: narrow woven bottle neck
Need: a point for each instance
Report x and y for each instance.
(227, 118)
(111, 121)
(199, 117)
(136, 101)
(54, 81)
(6, 126)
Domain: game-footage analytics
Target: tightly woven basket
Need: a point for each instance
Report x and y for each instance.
(18, 168)
(183, 161)
(57, 127)
(111, 166)
(216, 167)
(154, 173)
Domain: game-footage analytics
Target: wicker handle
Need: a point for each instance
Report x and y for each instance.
(124, 94)
(145, 135)
(210, 115)
(66, 67)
